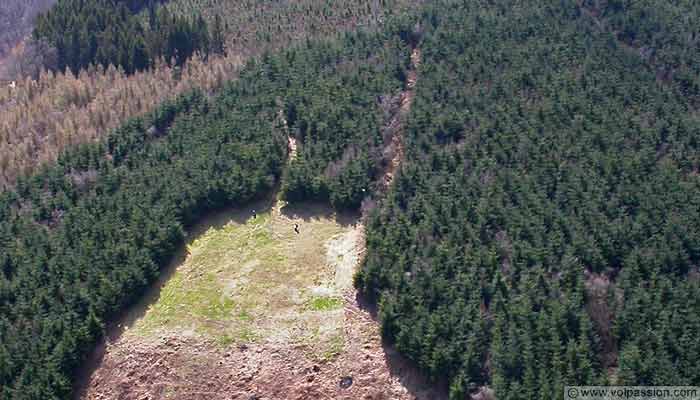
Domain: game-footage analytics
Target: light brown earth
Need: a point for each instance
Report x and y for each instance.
(396, 124)
(197, 351)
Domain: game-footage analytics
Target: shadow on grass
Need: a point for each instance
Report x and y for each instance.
(307, 211)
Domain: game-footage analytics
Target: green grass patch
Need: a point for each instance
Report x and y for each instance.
(246, 334)
(253, 282)
(225, 340)
(245, 316)
(326, 303)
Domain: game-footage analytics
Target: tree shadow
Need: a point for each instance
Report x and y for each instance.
(402, 367)
(308, 211)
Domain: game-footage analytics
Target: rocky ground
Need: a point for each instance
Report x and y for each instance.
(181, 367)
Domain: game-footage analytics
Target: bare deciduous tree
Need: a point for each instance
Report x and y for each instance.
(16, 21)
(48, 111)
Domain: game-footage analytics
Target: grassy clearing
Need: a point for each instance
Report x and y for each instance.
(257, 281)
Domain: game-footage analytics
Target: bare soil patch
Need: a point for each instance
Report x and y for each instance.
(159, 357)
(179, 367)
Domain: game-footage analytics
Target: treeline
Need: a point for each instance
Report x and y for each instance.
(104, 32)
(544, 229)
(260, 24)
(55, 110)
(43, 117)
(83, 238)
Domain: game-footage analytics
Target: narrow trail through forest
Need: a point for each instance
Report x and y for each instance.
(397, 122)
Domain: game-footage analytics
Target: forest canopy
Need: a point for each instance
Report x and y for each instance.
(545, 227)
(114, 32)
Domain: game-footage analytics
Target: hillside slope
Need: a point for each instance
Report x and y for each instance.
(255, 309)
(544, 229)
(541, 226)
(44, 116)
(83, 238)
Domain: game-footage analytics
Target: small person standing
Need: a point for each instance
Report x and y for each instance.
(296, 228)
(254, 214)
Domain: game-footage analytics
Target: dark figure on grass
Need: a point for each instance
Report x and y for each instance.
(254, 214)
(296, 228)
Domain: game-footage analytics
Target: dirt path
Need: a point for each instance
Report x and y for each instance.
(291, 140)
(344, 253)
(397, 122)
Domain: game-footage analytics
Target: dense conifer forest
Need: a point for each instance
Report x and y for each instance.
(83, 238)
(543, 229)
(337, 115)
(111, 32)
